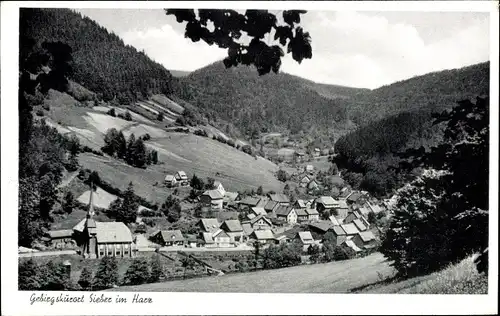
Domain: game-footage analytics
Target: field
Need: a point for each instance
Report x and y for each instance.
(335, 277)
(177, 151)
(371, 274)
(101, 198)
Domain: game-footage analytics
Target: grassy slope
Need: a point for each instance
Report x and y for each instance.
(363, 275)
(335, 277)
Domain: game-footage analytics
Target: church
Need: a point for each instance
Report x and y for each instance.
(100, 239)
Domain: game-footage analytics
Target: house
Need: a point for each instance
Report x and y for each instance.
(271, 206)
(212, 198)
(374, 207)
(282, 199)
(316, 152)
(356, 215)
(304, 181)
(222, 239)
(100, 239)
(350, 229)
(339, 234)
(341, 209)
(208, 225)
(320, 228)
(169, 238)
(364, 210)
(302, 215)
(264, 236)
(287, 213)
(258, 211)
(305, 238)
(218, 186)
(365, 240)
(191, 240)
(349, 243)
(312, 185)
(309, 169)
(289, 234)
(334, 220)
(300, 155)
(355, 198)
(300, 204)
(248, 202)
(234, 230)
(61, 238)
(312, 214)
(229, 197)
(259, 222)
(170, 181)
(182, 178)
(325, 203)
(359, 225)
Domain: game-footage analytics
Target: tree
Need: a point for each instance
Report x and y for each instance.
(55, 277)
(138, 272)
(29, 276)
(197, 183)
(107, 273)
(187, 263)
(174, 214)
(156, 268)
(160, 117)
(128, 116)
(69, 202)
(210, 185)
(140, 157)
(286, 189)
(127, 212)
(130, 157)
(260, 191)
(313, 251)
(442, 216)
(85, 280)
(30, 221)
(229, 25)
(72, 164)
(112, 112)
(282, 175)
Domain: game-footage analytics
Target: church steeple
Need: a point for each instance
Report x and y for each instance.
(91, 211)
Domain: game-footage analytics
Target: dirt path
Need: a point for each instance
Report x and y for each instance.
(68, 180)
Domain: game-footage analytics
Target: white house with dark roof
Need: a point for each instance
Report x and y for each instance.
(234, 230)
(325, 203)
(169, 238)
(287, 213)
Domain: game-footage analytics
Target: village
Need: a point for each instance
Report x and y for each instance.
(263, 220)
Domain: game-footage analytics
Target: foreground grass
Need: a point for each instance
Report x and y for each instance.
(334, 277)
(460, 278)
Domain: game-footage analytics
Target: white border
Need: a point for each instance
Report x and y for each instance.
(17, 303)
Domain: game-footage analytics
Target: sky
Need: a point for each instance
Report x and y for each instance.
(358, 49)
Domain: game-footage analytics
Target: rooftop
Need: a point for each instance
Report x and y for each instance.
(113, 232)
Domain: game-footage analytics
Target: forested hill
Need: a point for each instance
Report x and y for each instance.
(272, 102)
(101, 61)
(432, 92)
(405, 111)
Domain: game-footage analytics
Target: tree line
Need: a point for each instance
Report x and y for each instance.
(133, 151)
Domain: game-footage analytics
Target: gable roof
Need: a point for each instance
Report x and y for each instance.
(213, 194)
(62, 233)
(311, 211)
(337, 230)
(334, 220)
(306, 237)
(259, 210)
(349, 243)
(250, 201)
(290, 233)
(219, 233)
(169, 177)
(359, 224)
(263, 234)
(233, 225)
(364, 210)
(207, 238)
(350, 229)
(323, 226)
(247, 228)
(342, 204)
(113, 232)
(181, 174)
(280, 198)
(366, 236)
(230, 196)
(301, 212)
(210, 224)
(269, 207)
(354, 197)
(326, 200)
(171, 235)
(257, 218)
(305, 179)
(301, 203)
(283, 210)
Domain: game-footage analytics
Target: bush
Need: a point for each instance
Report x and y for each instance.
(112, 112)
(40, 112)
(138, 272)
